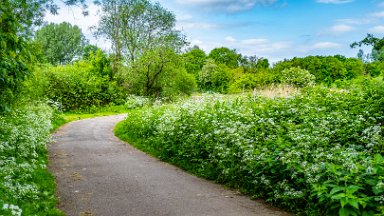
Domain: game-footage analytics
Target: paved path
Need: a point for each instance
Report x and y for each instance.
(99, 175)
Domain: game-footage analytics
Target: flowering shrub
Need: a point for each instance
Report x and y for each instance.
(134, 101)
(319, 152)
(297, 77)
(26, 187)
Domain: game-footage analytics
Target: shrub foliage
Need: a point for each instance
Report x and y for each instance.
(319, 152)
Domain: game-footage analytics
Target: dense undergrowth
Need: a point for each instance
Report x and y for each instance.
(319, 152)
(26, 186)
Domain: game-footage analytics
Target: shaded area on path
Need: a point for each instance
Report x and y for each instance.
(99, 175)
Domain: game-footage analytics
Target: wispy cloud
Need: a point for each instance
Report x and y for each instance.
(230, 39)
(325, 45)
(341, 28)
(187, 21)
(230, 6)
(377, 29)
(378, 14)
(334, 1)
(255, 41)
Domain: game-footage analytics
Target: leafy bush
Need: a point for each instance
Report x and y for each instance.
(26, 187)
(214, 77)
(297, 77)
(317, 153)
(77, 86)
(134, 101)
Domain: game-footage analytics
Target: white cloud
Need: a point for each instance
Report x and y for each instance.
(74, 16)
(334, 1)
(227, 5)
(361, 21)
(255, 41)
(377, 29)
(325, 45)
(341, 28)
(196, 25)
(230, 39)
(378, 14)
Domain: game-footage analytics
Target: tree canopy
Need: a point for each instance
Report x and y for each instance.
(137, 26)
(377, 44)
(62, 43)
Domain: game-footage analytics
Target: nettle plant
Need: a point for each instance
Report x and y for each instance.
(319, 152)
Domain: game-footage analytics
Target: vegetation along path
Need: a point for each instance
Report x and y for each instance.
(99, 175)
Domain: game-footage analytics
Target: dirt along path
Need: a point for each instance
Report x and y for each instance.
(99, 175)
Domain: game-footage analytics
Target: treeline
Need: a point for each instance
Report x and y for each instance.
(148, 58)
(92, 79)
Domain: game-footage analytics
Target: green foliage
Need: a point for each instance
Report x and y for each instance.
(253, 64)
(26, 187)
(214, 77)
(159, 73)
(138, 26)
(76, 86)
(250, 81)
(194, 60)
(326, 69)
(319, 152)
(62, 43)
(377, 44)
(226, 56)
(102, 64)
(13, 66)
(296, 77)
(88, 49)
(375, 69)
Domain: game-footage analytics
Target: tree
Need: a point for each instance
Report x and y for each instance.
(62, 42)
(144, 40)
(137, 26)
(194, 60)
(214, 77)
(377, 44)
(224, 55)
(16, 21)
(160, 73)
(252, 64)
(88, 49)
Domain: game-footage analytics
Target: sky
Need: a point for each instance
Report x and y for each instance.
(273, 29)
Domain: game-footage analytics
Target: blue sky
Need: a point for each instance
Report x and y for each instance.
(275, 29)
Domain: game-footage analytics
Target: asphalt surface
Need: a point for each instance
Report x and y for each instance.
(99, 175)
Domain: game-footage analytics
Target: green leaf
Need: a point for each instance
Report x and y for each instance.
(343, 212)
(353, 188)
(353, 203)
(336, 189)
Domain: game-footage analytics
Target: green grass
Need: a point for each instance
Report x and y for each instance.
(63, 118)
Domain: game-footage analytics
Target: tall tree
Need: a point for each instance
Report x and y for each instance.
(377, 44)
(62, 43)
(137, 26)
(144, 39)
(224, 55)
(16, 21)
(194, 60)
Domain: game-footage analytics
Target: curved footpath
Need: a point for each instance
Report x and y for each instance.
(99, 175)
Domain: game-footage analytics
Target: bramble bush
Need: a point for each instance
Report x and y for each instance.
(319, 152)
(26, 187)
